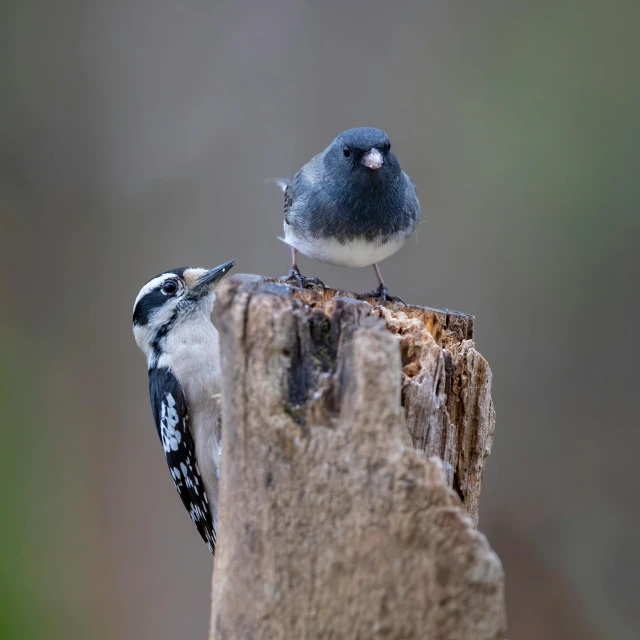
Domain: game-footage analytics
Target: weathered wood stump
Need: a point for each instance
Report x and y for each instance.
(332, 525)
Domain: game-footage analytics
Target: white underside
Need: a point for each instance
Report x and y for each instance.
(193, 352)
(354, 253)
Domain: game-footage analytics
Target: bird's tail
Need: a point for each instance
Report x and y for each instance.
(283, 183)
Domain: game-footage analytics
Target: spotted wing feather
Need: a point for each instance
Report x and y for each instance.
(171, 416)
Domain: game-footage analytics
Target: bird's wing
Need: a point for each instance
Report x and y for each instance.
(302, 191)
(171, 415)
(286, 187)
(288, 201)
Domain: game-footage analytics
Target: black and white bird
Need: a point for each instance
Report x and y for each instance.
(172, 325)
(352, 205)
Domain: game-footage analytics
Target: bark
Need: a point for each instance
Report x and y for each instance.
(332, 525)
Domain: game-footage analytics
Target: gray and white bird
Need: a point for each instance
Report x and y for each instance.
(352, 205)
(172, 325)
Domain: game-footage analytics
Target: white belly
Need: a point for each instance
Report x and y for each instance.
(196, 364)
(354, 253)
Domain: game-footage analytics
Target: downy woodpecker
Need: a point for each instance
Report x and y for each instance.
(172, 325)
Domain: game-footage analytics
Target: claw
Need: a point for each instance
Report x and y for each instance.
(301, 281)
(382, 294)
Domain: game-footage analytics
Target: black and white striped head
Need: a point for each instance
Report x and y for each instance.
(170, 299)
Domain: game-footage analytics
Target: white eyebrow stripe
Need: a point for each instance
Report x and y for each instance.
(150, 286)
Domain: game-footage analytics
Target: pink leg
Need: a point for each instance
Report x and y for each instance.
(294, 274)
(381, 293)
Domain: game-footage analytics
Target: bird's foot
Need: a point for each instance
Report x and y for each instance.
(295, 277)
(382, 294)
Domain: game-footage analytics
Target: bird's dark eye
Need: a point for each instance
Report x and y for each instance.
(169, 287)
(346, 152)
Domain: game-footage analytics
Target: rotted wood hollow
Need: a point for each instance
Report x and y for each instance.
(333, 521)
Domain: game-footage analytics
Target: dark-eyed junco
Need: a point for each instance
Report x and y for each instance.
(352, 205)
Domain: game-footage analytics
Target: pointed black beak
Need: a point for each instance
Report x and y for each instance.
(213, 276)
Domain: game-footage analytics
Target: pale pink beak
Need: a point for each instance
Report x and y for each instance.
(373, 159)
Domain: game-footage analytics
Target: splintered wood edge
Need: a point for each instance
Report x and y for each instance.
(460, 578)
(446, 326)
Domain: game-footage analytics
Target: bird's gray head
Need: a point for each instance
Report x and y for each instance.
(171, 299)
(363, 151)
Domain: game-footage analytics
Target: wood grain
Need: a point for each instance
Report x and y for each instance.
(332, 525)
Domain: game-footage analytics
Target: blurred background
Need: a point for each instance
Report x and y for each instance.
(135, 136)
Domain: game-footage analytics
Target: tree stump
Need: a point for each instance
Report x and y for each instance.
(354, 438)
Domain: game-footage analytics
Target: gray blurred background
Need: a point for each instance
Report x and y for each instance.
(135, 136)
